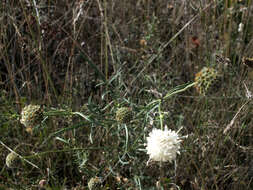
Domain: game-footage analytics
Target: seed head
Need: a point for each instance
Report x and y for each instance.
(94, 183)
(206, 80)
(11, 160)
(31, 115)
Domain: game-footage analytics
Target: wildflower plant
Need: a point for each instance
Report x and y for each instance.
(119, 59)
(163, 144)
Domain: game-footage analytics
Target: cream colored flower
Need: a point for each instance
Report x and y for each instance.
(94, 183)
(11, 160)
(31, 115)
(163, 145)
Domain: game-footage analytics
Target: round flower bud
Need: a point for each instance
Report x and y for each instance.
(11, 160)
(31, 115)
(94, 183)
(207, 80)
(124, 115)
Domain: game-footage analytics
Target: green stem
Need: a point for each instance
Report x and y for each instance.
(59, 151)
(160, 114)
(178, 91)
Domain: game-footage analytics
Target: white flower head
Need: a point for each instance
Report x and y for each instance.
(163, 145)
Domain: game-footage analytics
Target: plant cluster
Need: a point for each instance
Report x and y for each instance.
(126, 94)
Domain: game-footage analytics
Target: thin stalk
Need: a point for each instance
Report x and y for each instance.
(160, 114)
(178, 91)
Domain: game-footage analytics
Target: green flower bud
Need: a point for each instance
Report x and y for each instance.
(124, 115)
